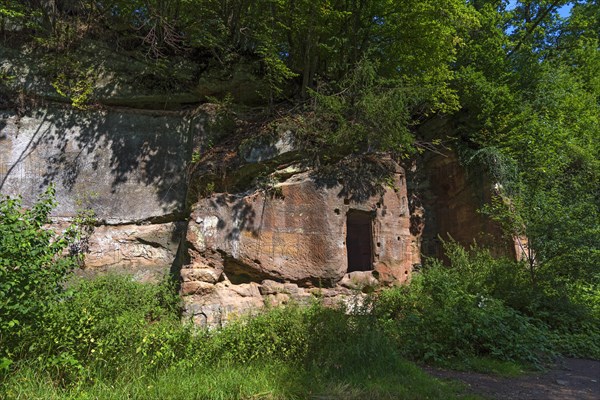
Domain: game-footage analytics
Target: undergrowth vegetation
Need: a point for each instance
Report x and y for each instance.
(113, 338)
(481, 306)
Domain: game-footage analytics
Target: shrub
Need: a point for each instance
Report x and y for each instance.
(109, 322)
(33, 268)
(462, 311)
(313, 338)
(280, 333)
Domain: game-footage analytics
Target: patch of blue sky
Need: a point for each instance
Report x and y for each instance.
(563, 11)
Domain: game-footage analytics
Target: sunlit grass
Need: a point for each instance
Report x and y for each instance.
(264, 380)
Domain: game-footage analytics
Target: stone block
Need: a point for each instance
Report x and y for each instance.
(209, 275)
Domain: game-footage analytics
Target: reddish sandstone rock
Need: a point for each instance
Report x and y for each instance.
(307, 237)
(300, 234)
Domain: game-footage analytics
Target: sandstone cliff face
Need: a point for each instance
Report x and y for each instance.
(334, 232)
(452, 197)
(128, 166)
(302, 235)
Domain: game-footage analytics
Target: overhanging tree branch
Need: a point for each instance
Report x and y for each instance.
(536, 23)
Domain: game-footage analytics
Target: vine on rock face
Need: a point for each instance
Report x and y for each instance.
(77, 88)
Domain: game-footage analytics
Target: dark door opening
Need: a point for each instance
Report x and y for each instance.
(359, 241)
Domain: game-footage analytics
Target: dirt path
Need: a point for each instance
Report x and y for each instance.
(569, 379)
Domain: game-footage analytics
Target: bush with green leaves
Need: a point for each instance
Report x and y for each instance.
(34, 264)
(109, 322)
(437, 318)
(277, 334)
(458, 311)
(313, 336)
(479, 305)
(110, 325)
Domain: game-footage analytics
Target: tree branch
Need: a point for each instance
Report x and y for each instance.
(530, 30)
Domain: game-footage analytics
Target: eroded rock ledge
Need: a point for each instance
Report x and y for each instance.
(127, 166)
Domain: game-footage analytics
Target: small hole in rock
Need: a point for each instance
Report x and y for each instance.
(346, 201)
(337, 211)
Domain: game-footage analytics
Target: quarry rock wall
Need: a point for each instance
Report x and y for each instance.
(336, 235)
(128, 166)
(250, 221)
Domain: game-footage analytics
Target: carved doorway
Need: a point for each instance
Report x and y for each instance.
(359, 240)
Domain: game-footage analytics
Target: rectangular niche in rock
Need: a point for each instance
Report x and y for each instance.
(359, 240)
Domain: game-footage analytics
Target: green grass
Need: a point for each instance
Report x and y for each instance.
(111, 338)
(487, 365)
(116, 339)
(277, 380)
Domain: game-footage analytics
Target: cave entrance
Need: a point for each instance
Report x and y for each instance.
(359, 240)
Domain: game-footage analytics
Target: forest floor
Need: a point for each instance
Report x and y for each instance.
(568, 379)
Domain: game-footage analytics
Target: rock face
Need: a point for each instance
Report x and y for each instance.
(145, 251)
(127, 166)
(304, 234)
(452, 196)
(334, 232)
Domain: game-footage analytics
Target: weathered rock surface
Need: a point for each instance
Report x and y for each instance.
(293, 237)
(452, 197)
(126, 80)
(300, 234)
(216, 305)
(146, 251)
(333, 234)
(127, 166)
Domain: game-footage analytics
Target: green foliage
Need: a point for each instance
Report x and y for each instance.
(77, 88)
(105, 331)
(438, 318)
(280, 334)
(112, 338)
(486, 365)
(33, 267)
(277, 74)
(222, 115)
(272, 380)
(12, 10)
(313, 337)
(531, 116)
(105, 323)
(363, 111)
(14, 15)
(293, 46)
(479, 306)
